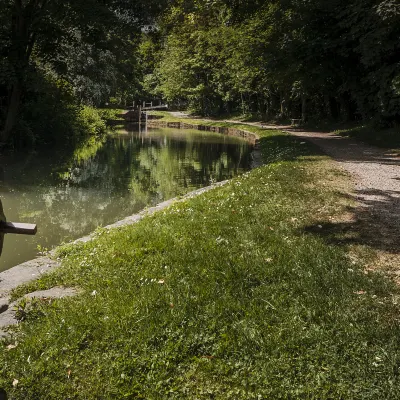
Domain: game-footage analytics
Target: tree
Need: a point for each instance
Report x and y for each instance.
(42, 31)
(320, 59)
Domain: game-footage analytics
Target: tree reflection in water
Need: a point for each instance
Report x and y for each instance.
(70, 193)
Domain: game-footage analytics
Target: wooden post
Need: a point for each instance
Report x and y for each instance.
(303, 108)
(18, 228)
(13, 227)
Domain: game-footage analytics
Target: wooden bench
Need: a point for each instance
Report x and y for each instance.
(296, 121)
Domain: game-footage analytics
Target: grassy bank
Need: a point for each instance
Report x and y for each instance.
(231, 295)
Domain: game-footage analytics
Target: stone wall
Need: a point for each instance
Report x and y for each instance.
(251, 137)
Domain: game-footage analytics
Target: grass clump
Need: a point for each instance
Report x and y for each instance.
(223, 296)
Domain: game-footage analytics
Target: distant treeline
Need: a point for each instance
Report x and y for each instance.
(310, 59)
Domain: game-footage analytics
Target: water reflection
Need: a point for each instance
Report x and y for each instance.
(71, 192)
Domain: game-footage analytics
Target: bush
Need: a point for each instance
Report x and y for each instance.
(90, 122)
(51, 115)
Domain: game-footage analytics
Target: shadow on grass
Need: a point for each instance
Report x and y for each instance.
(375, 223)
(286, 148)
(389, 137)
(349, 150)
(375, 220)
(384, 138)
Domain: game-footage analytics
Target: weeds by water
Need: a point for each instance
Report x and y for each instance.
(224, 296)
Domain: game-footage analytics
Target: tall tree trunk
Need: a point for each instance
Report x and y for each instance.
(283, 105)
(12, 111)
(23, 41)
(303, 108)
(275, 105)
(334, 108)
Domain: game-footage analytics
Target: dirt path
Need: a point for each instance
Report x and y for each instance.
(375, 220)
(376, 174)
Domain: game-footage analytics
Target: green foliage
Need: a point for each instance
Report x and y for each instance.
(110, 114)
(91, 45)
(91, 121)
(322, 60)
(51, 115)
(48, 113)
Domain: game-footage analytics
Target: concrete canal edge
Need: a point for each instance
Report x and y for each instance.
(250, 136)
(34, 269)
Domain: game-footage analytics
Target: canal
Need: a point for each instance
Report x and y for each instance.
(68, 193)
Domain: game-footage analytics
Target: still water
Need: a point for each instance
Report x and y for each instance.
(70, 193)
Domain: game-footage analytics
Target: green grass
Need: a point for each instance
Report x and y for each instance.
(224, 296)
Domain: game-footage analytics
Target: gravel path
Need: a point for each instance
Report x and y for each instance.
(376, 174)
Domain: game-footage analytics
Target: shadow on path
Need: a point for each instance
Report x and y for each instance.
(376, 223)
(376, 174)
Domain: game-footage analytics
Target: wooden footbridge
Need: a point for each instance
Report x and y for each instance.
(151, 107)
(138, 113)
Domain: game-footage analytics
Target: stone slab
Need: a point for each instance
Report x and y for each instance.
(7, 317)
(24, 273)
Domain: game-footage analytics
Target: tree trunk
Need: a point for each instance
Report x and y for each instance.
(12, 111)
(334, 108)
(283, 105)
(303, 108)
(22, 44)
(275, 105)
